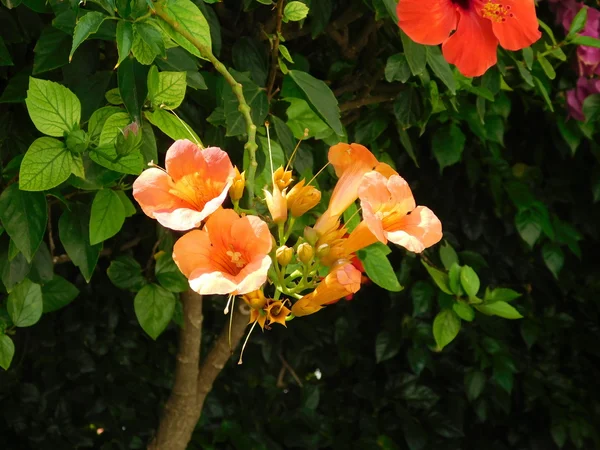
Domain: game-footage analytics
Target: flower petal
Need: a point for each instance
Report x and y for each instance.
(373, 190)
(348, 156)
(401, 194)
(418, 230)
(520, 28)
(212, 283)
(180, 219)
(219, 226)
(472, 49)
(192, 251)
(218, 164)
(253, 276)
(184, 157)
(427, 22)
(251, 236)
(151, 191)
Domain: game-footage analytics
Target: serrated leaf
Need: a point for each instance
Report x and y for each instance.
(446, 326)
(124, 40)
(154, 307)
(171, 125)
(25, 304)
(98, 119)
(73, 230)
(500, 309)
(191, 20)
(46, 164)
(7, 351)
(147, 43)
(166, 89)
(126, 273)
(107, 156)
(87, 25)
(397, 69)
(24, 216)
(53, 108)
(58, 293)
(295, 11)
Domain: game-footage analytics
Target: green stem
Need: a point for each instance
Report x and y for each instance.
(236, 87)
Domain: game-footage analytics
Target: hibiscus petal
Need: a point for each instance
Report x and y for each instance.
(520, 28)
(418, 230)
(472, 49)
(184, 157)
(427, 22)
(192, 252)
(151, 191)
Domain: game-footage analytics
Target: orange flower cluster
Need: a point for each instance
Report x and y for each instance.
(233, 254)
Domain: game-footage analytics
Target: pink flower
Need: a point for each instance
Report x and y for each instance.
(193, 186)
(576, 97)
(230, 255)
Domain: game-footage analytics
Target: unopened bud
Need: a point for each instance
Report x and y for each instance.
(311, 235)
(302, 198)
(282, 178)
(277, 204)
(284, 255)
(236, 191)
(255, 299)
(129, 139)
(305, 253)
(323, 250)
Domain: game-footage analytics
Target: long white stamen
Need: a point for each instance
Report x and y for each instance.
(246, 341)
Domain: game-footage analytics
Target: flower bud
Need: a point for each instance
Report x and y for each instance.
(284, 255)
(129, 139)
(302, 198)
(323, 250)
(311, 235)
(255, 299)
(277, 204)
(236, 191)
(282, 178)
(305, 253)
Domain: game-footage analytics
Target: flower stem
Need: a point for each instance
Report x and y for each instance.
(244, 108)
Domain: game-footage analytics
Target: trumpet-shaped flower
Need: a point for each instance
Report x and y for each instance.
(277, 204)
(228, 256)
(302, 198)
(193, 186)
(390, 213)
(341, 281)
(480, 26)
(351, 162)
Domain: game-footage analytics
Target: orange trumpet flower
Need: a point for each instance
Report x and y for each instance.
(480, 26)
(230, 255)
(193, 186)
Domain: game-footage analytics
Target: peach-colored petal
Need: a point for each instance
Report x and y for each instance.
(385, 169)
(251, 235)
(347, 156)
(219, 226)
(192, 251)
(401, 194)
(212, 283)
(373, 190)
(520, 28)
(417, 231)
(373, 223)
(427, 22)
(180, 219)
(218, 164)
(184, 157)
(151, 191)
(472, 48)
(253, 276)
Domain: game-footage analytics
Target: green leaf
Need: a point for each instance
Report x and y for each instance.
(256, 98)
(542, 88)
(387, 345)
(107, 156)
(126, 273)
(416, 54)
(469, 281)
(591, 108)
(500, 295)
(528, 226)
(147, 43)
(464, 311)
(154, 307)
(58, 293)
(190, 19)
(408, 107)
(321, 98)
(285, 53)
(548, 69)
(440, 278)
(351, 217)
(166, 89)
(132, 78)
(588, 41)
(379, 269)
(554, 258)
(113, 97)
(124, 40)
(301, 117)
(446, 326)
(168, 274)
(5, 59)
(448, 255)
(448, 145)
(98, 119)
(172, 126)
(295, 11)
(73, 230)
(397, 69)
(24, 216)
(559, 435)
(528, 57)
(87, 25)
(179, 60)
(7, 351)
(422, 298)
(474, 384)
(51, 50)
(578, 22)
(112, 127)
(128, 205)
(500, 309)
(46, 164)
(53, 108)
(441, 68)
(25, 304)
(108, 216)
